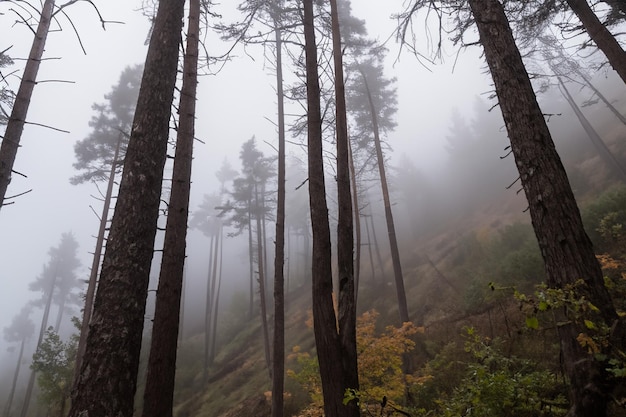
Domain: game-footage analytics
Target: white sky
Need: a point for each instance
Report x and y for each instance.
(233, 106)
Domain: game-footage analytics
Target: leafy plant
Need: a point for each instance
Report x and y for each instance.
(54, 363)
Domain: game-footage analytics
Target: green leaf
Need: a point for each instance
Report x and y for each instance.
(589, 324)
(532, 322)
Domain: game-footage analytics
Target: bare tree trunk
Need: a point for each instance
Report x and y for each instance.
(345, 229)
(7, 410)
(603, 151)
(369, 246)
(95, 264)
(391, 229)
(565, 247)
(216, 300)
(357, 224)
(181, 320)
(263, 301)
(278, 356)
(161, 372)
(324, 319)
(251, 264)
(57, 323)
(108, 378)
(42, 332)
(15, 124)
(603, 39)
(208, 308)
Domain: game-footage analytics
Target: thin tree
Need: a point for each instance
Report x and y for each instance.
(403, 309)
(278, 346)
(108, 378)
(20, 330)
(324, 319)
(17, 119)
(159, 392)
(345, 227)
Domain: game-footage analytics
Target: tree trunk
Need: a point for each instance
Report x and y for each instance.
(369, 247)
(216, 300)
(324, 320)
(251, 264)
(7, 410)
(278, 356)
(15, 124)
(108, 378)
(42, 331)
(161, 372)
(345, 229)
(263, 301)
(391, 229)
(357, 225)
(603, 151)
(95, 264)
(603, 39)
(208, 308)
(565, 247)
(61, 305)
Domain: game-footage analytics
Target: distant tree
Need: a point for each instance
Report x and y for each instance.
(108, 376)
(111, 125)
(54, 363)
(61, 269)
(206, 218)
(161, 372)
(324, 320)
(19, 331)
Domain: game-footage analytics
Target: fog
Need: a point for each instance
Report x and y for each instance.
(237, 102)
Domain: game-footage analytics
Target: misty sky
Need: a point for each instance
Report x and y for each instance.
(233, 105)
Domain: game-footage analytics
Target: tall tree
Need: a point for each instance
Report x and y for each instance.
(61, 269)
(324, 320)
(278, 345)
(159, 391)
(345, 226)
(108, 377)
(17, 119)
(19, 331)
(565, 247)
(391, 229)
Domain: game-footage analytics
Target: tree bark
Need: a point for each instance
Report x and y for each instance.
(216, 300)
(108, 377)
(161, 372)
(603, 39)
(278, 356)
(403, 309)
(324, 319)
(95, 264)
(209, 308)
(565, 247)
(17, 119)
(357, 225)
(345, 229)
(260, 265)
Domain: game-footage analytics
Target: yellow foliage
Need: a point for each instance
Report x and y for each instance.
(380, 357)
(586, 341)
